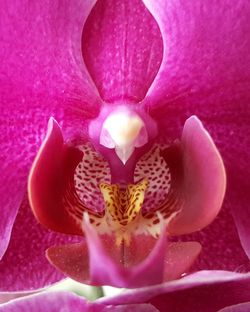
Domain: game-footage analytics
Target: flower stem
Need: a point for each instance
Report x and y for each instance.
(96, 292)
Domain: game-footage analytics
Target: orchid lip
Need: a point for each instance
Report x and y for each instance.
(192, 195)
(173, 172)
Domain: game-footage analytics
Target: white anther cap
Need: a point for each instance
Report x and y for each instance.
(122, 130)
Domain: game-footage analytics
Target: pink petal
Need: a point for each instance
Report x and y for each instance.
(72, 260)
(210, 81)
(230, 130)
(122, 49)
(204, 180)
(65, 301)
(107, 271)
(42, 73)
(229, 127)
(131, 308)
(242, 307)
(49, 302)
(204, 291)
(202, 55)
(103, 269)
(221, 248)
(7, 296)
(48, 181)
(179, 258)
(96, 262)
(237, 158)
(45, 58)
(24, 265)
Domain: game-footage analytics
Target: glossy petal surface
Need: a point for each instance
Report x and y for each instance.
(54, 165)
(199, 59)
(42, 74)
(24, 266)
(41, 71)
(67, 302)
(242, 307)
(98, 261)
(131, 308)
(203, 73)
(102, 268)
(122, 48)
(205, 291)
(47, 301)
(204, 179)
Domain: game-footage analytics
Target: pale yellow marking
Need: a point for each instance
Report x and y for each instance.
(123, 208)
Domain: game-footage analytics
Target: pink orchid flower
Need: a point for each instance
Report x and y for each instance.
(129, 90)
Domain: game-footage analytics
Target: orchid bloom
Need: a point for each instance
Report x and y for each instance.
(127, 186)
(125, 115)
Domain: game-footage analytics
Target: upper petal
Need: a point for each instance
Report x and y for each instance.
(206, 50)
(122, 48)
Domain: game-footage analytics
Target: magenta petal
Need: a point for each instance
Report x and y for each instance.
(211, 81)
(242, 307)
(44, 58)
(86, 267)
(42, 74)
(231, 130)
(72, 260)
(108, 272)
(122, 48)
(204, 291)
(203, 73)
(130, 308)
(67, 302)
(204, 179)
(7, 296)
(221, 248)
(179, 258)
(202, 57)
(241, 215)
(48, 181)
(100, 268)
(237, 158)
(12, 190)
(49, 302)
(24, 265)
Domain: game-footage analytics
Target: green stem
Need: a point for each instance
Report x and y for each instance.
(97, 292)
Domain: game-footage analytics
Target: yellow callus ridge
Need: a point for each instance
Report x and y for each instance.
(123, 208)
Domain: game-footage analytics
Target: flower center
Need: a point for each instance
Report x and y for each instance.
(126, 210)
(123, 130)
(123, 208)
